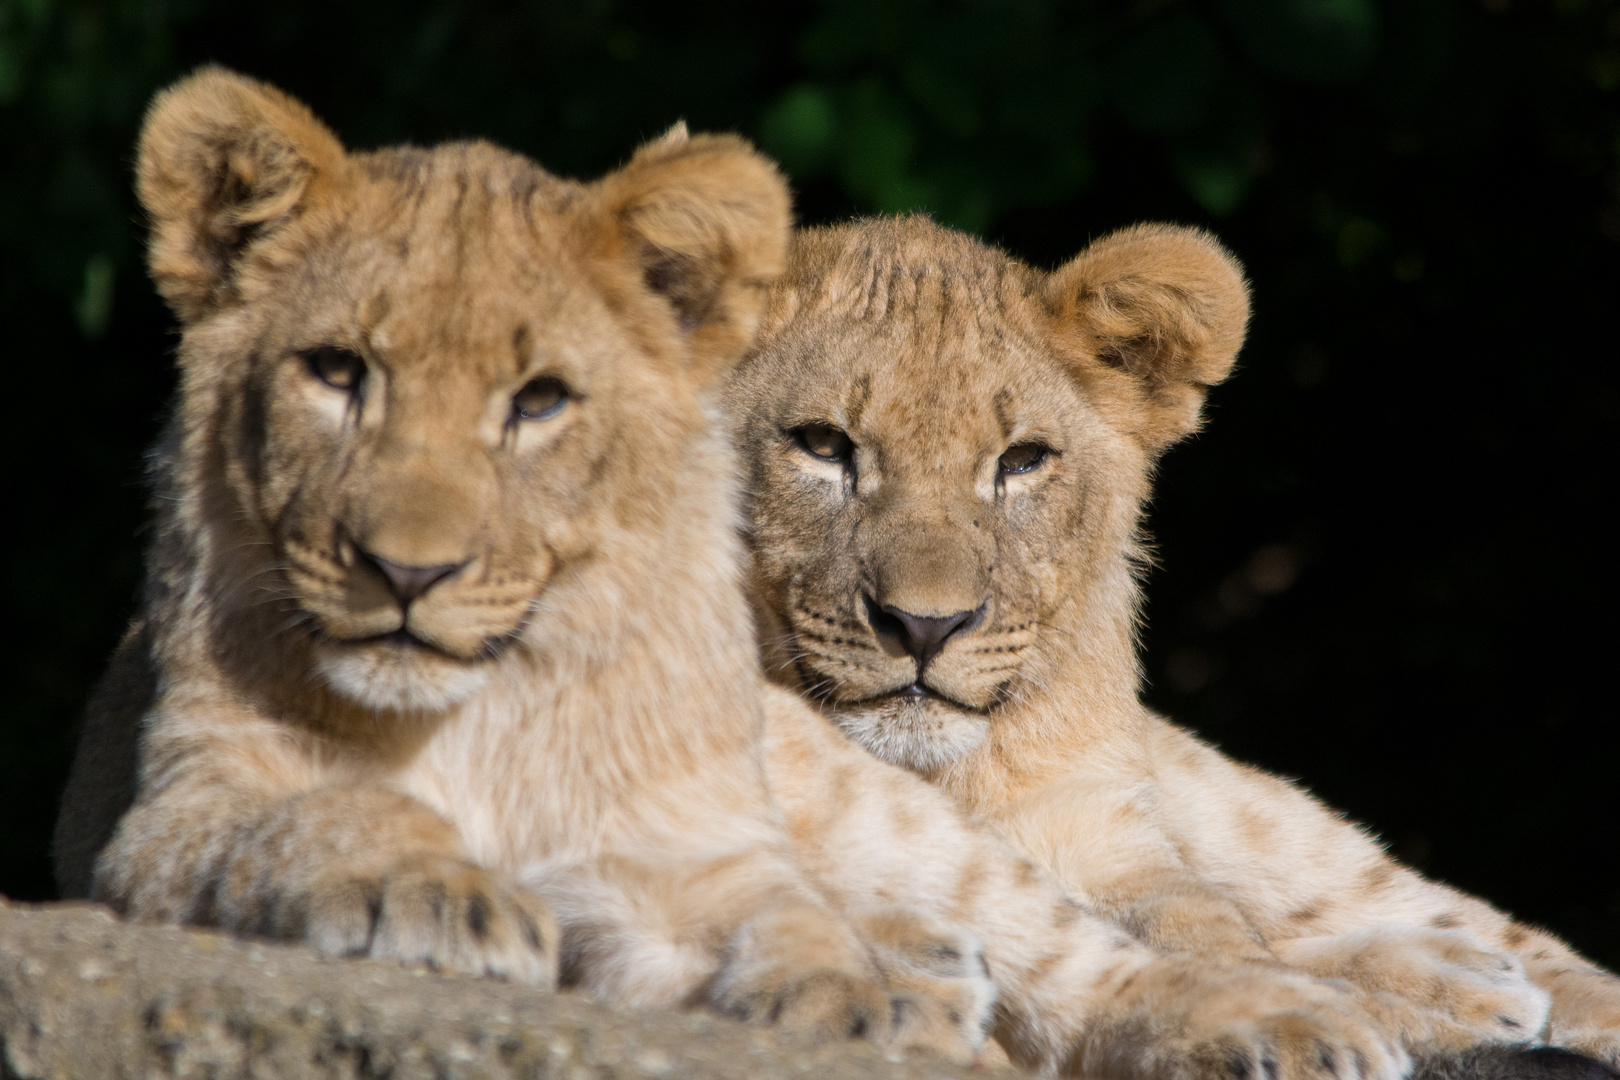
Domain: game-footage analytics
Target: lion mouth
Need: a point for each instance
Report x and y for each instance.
(401, 639)
(916, 694)
(913, 694)
(402, 642)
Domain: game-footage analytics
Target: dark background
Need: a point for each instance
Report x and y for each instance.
(1384, 567)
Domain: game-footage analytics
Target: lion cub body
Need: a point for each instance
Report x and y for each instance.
(949, 453)
(443, 651)
(445, 656)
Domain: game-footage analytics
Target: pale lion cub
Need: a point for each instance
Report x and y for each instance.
(448, 655)
(949, 454)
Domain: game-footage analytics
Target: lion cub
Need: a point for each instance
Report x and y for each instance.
(949, 454)
(448, 659)
(445, 655)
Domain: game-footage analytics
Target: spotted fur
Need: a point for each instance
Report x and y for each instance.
(935, 354)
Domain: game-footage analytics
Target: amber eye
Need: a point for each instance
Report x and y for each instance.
(823, 441)
(540, 399)
(338, 368)
(1023, 458)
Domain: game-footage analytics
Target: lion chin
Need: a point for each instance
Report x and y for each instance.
(921, 734)
(398, 676)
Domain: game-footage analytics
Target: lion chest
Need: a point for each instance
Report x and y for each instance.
(510, 780)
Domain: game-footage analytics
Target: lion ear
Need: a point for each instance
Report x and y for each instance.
(703, 223)
(1157, 312)
(222, 161)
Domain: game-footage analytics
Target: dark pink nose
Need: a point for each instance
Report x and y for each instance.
(923, 636)
(408, 582)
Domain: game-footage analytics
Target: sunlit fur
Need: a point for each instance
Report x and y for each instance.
(569, 760)
(621, 796)
(547, 761)
(935, 353)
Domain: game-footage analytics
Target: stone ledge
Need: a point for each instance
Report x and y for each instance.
(85, 996)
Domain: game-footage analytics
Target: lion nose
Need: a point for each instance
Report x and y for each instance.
(408, 582)
(923, 636)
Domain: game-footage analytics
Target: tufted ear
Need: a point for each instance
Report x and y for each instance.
(703, 223)
(1158, 313)
(222, 161)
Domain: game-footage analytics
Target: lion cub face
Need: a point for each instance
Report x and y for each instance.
(433, 382)
(428, 425)
(948, 451)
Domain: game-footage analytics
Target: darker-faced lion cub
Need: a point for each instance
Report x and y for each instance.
(949, 454)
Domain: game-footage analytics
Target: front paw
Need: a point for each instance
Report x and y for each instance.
(806, 979)
(821, 1002)
(1190, 1020)
(942, 973)
(436, 910)
(1440, 989)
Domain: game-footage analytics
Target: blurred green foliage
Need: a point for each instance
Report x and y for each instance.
(967, 109)
(1426, 192)
(976, 108)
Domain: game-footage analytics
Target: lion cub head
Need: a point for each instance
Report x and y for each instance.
(948, 455)
(421, 388)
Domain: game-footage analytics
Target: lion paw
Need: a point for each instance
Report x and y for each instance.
(822, 1002)
(801, 978)
(941, 976)
(1194, 1021)
(440, 911)
(1438, 988)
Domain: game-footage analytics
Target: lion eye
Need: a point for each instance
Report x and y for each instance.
(540, 399)
(1023, 458)
(338, 368)
(823, 441)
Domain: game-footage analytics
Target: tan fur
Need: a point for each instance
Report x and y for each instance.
(544, 754)
(579, 764)
(936, 354)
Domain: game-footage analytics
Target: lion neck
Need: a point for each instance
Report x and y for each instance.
(653, 628)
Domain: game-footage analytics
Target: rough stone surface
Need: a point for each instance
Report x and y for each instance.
(84, 996)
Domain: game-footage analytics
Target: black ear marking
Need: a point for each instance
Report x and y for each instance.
(224, 161)
(677, 278)
(703, 223)
(1165, 305)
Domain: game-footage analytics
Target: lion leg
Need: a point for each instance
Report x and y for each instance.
(1076, 993)
(1326, 883)
(1441, 989)
(350, 871)
(744, 935)
(1585, 1014)
(796, 966)
(942, 972)
(1131, 871)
